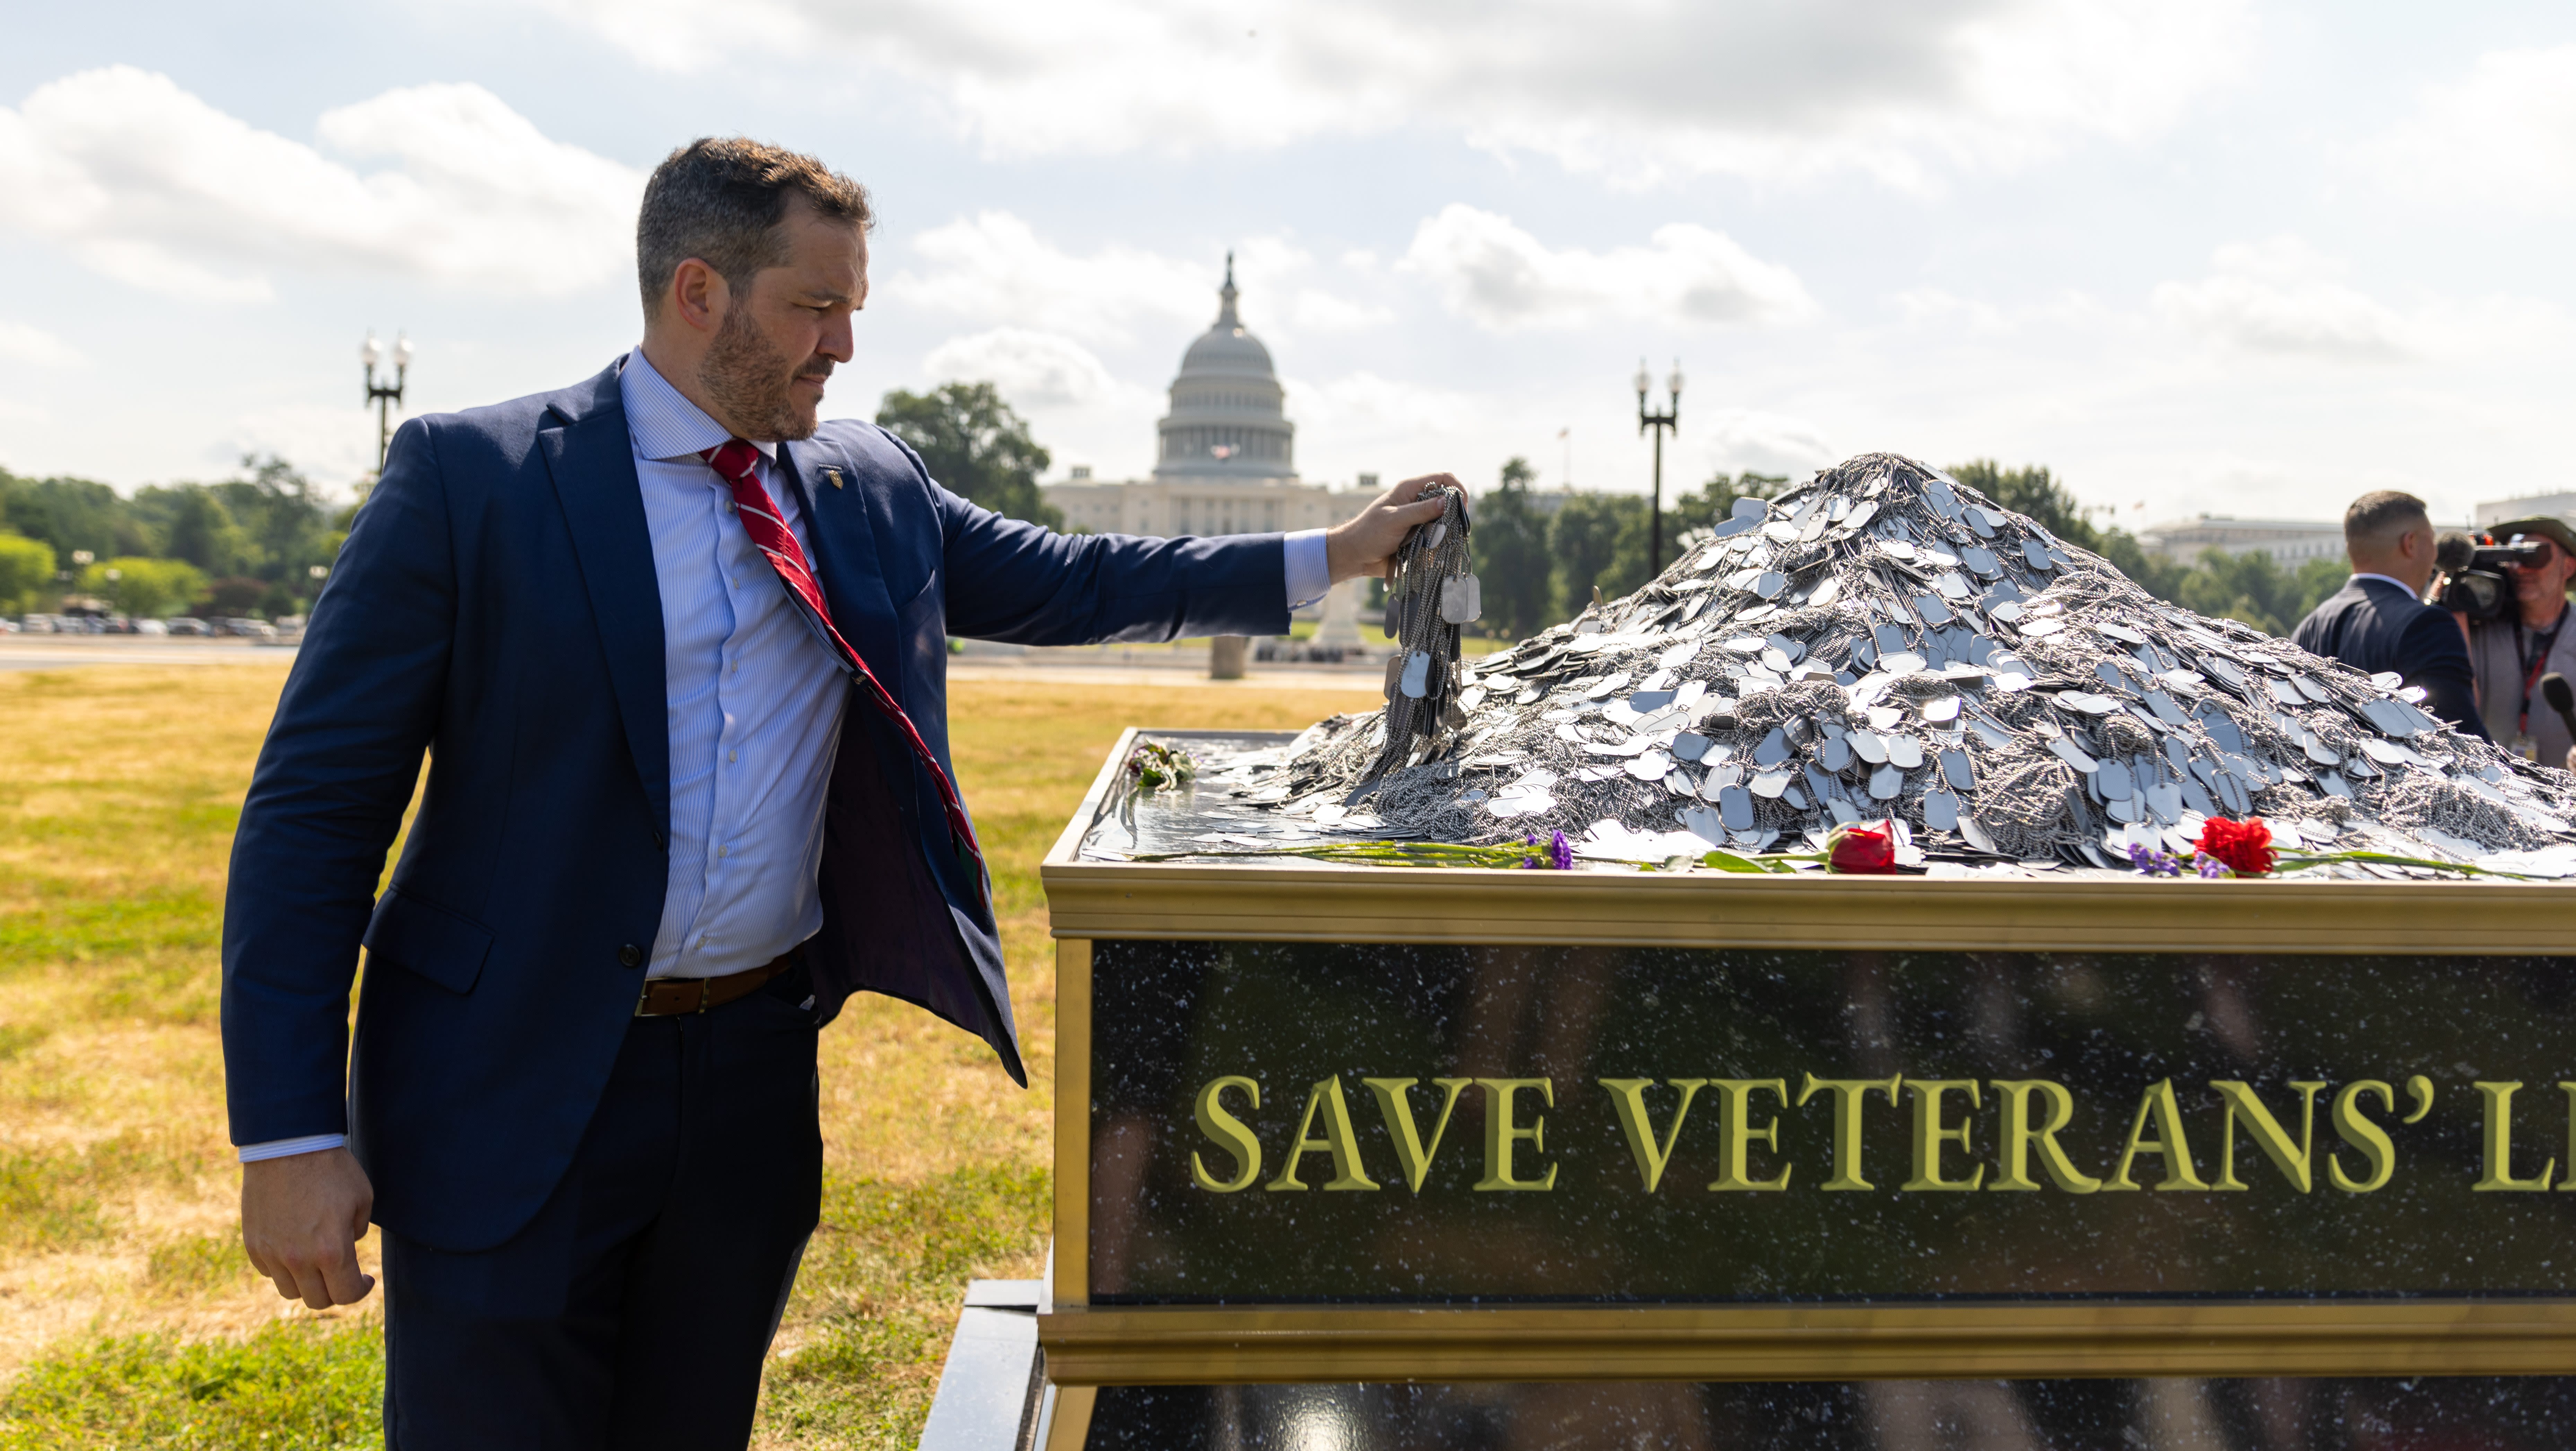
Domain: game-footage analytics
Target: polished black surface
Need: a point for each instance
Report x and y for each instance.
(1169, 1018)
(2063, 1415)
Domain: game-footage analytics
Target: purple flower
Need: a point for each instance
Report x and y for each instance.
(2212, 868)
(1530, 863)
(1560, 854)
(2153, 863)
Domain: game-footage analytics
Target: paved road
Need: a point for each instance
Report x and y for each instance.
(54, 652)
(50, 652)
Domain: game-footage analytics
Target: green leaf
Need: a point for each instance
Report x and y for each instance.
(1727, 861)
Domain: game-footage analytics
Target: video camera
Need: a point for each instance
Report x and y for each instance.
(2473, 581)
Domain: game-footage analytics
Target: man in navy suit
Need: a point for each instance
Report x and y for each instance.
(676, 654)
(2379, 621)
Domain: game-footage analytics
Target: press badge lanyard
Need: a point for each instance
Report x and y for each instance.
(2537, 661)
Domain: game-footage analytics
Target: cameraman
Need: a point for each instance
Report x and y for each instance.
(2512, 651)
(2379, 621)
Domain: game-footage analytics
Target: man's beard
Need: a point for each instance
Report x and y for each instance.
(748, 379)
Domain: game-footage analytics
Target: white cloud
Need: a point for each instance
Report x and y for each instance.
(1904, 89)
(21, 343)
(1322, 312)
(1489, 270)
(1766, 443)
(147, 184)
(993, 267)
(1366, 407)
(2280, 297)
(334, 446)
(1032, 369)
(2504, 134)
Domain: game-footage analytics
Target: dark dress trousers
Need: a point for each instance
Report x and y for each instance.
(496, 606)
(2373, 625)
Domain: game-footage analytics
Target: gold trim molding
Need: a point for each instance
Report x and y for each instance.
(1215, 1345)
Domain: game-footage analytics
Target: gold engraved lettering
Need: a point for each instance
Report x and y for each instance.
(2420, 1089)
(2570, 1090)
(1930, 1133)
(1848, 1093)
(1229, 1131)
(1340, 1140)
(2362, 1134)
(2499, 1163)
(1501, 1134)
(1395, 1103)
(2158, 1103)
(2020, 1135)
(1628, 1096)
(2267, 1133)
(1735, 1107)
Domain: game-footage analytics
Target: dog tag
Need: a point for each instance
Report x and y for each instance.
(1462, 600)
(1416, 681)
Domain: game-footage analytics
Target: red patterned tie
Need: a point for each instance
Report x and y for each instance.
(733, 462)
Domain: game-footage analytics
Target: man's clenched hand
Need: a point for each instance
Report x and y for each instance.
(302, 1217)
(1366, 542)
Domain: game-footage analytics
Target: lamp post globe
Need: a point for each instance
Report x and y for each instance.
(385, 396)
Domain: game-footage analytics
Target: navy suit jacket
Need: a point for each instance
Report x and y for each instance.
(496, 607)
(2373, 625)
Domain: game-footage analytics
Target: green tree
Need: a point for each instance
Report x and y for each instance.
(26, 571)
(198, 528)
(2250, 587)
(226, 599)
(976, 445)
(1599, 541)
(144, 588)
(1512, 564)
(1704, 506)
(73, 514)
(2034, 491)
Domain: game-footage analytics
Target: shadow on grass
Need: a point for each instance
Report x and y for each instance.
(874, 1306)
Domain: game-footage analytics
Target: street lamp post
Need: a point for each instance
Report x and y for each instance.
(1659, 424)
(386, 398)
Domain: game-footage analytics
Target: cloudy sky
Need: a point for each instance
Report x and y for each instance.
(2197, 255)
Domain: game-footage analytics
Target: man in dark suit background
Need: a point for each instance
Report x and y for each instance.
(2379, 621)
(677, 656)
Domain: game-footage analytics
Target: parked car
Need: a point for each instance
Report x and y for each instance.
(187, 625)
(151, 627)
(8, 626)
(255, 629)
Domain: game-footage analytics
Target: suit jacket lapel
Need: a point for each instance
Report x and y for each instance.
(843, 532)
(592, 462)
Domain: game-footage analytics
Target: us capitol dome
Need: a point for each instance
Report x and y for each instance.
(1225, 454)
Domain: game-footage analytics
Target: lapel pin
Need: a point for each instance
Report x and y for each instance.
(834, 475)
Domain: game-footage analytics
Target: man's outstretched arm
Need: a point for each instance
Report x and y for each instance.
(1036, 587)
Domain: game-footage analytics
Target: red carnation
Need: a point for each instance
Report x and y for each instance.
(2243, 847)
(1864, 850)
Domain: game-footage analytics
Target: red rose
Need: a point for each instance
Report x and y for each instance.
(2243, 847)
(1865, 850)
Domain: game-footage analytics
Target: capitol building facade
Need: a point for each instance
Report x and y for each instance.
(1226, 455)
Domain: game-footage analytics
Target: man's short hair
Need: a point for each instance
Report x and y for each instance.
(721, 199)
(2380, 518)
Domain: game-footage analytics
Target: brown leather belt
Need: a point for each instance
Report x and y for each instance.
(665, 997)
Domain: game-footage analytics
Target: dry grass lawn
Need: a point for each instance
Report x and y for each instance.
(127, 1315)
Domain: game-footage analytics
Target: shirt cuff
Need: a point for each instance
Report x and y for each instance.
(284, 1148)
(1310, 569)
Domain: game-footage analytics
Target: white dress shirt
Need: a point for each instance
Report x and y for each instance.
(2359, 575)
(753, 703)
